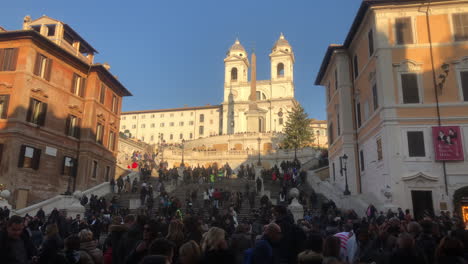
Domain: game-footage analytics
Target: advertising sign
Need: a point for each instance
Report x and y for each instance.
(447, 143)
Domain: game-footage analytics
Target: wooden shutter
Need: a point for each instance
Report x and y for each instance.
(409, 84)
(464, 83)
(5, 106)
(48, 69)
(13, 60)
(83, 86)
(404, 31)
(78, 128)
(43, 114)
(36, 158)
(416, 144)
(30, 110)
(1, 153)
(37, 64)
(21, 156)
(2, 58)
(73, 84)
(67, 125)
(63, 165)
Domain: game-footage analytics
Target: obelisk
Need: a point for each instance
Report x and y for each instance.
(253, 113)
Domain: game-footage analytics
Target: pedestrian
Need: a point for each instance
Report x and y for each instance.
(15, 244)
(89, 245)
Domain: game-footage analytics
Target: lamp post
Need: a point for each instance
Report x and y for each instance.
(259, 163)
(344, 168)
(182, 163)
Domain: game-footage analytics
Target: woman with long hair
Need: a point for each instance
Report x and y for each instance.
(176, 235)
(215, 247)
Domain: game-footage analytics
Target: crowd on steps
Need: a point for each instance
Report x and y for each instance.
(213, 232)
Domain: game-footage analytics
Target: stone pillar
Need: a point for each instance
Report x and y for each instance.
(295, 207)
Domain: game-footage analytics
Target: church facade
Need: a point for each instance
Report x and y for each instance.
(273, 98)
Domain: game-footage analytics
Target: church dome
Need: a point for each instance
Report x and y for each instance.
(282, 44)
(237, 46)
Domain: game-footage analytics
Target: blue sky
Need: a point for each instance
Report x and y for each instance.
(170, 53)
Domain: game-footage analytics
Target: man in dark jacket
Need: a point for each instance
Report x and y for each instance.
(15, 244)
(263, 251)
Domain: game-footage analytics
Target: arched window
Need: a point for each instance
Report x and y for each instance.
(260, 96)
(280, 70)
(234, 74)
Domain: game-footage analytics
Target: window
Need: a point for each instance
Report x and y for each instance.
(69, 166)
(201, 130)
(190, 123)
(181, 113)
(361, 159)
(191, 135)
(202, 118)
(358, 114)
(78, 85)
(153, 116)
(123, 118)
(171, 136)
(375, 97)
(191, 113)
(152, 138)
(107, 173)
(370, 38)
(72, 127)
(171, 115)
(234, 74)
(161, 115)
(161, 125)
(42, 66)
(115, 104)
(460, 26)
(142, 138)
(4, 100)
(336, 79)
(416, 144)
(171, 124)
(143, 116)
(181, 123)
(29, 157)
(152, 125)
(8, 58)
(404, 31)
(328, 92)
(280, 120)
(181, 136)
(133, 126)
(102, 94)
(162, 136)
(123, 127)
(143, 126)
(280, 70)
(409, 85)
(211, 121)
(464, 84)
(134, 117)
(355, 66)
(94, 171)
(330, 133)
(50, 30)
(379, 149)
(36, 112)
(99, 133)
(338, 124)
(112, 140)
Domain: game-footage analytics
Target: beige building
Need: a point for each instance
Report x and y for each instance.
(172, 125)
(319, 129)
(401, 74)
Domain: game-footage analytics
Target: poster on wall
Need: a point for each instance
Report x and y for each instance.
(447, 143)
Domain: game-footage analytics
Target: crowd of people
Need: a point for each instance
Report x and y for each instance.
(214, 232)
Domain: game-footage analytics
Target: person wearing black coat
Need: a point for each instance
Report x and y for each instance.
(15, 244)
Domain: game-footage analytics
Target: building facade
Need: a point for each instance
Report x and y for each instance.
(319, 129)
(172, 125)
(400, 75)
(59, 112)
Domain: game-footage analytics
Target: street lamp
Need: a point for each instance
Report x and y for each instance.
(343, 163)
(259, 163)
(182, 163)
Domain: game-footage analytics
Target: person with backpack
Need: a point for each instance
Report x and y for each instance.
(262, 252)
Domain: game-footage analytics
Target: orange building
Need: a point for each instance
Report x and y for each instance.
(59, 112)
(401, 74)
